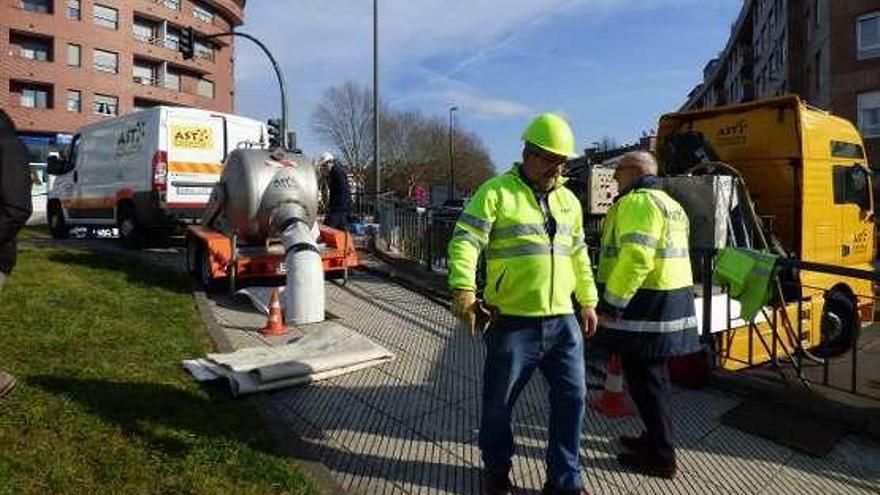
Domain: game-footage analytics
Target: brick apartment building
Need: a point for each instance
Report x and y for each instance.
(67, 63)
(826, 51)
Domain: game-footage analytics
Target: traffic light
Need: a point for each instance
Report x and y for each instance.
(274, 127)
(187, 43)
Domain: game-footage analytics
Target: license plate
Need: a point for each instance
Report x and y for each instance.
(281, 269)
(193, 191)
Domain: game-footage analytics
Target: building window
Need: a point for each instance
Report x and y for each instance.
(205, 88)
(869, 35)
(144, 30)
(34, 96)
(203, 13)
(74, 55)
(106, 61)
(144, 74)
(171, 4)
(107, 17)
(204, 50)
(34, 49)
(172, 38)
(172, 80)
(106, 105)
(869, 114)
(74, 10)
(41, 6)
(74, 101)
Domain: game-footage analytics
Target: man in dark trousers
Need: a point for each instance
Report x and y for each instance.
(646, 303)
(339, 201)
(15, 207)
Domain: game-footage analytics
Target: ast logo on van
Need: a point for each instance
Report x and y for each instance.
(192, 136)
(128, 140)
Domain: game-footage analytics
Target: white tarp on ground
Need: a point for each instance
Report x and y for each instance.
(325, 350)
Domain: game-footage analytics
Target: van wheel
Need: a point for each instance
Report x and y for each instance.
(129, 231)
(57, 224)
(840, 326)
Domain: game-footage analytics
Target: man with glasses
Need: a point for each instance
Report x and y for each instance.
(646, 308)
(530, 230)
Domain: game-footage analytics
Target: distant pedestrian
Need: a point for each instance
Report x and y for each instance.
(15, 207)
(530, 230)
(339, 200)
(646, 307)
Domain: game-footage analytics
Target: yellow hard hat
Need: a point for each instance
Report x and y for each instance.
(550, 132)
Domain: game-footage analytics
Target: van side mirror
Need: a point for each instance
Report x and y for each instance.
(56, 165)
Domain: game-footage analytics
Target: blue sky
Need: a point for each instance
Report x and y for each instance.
(611, 66)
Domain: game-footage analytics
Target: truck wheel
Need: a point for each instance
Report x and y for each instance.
(129, 231)
(57, 224)
(840, 326)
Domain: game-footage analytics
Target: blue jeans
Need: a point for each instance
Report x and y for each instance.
(515, 346)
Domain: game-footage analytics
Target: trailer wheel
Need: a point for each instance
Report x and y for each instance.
(205, 275)
(55, 217)
(193, 263)
(129, 231)
(840, 325)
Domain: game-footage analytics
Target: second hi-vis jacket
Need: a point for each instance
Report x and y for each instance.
(529, 272)
(645, 269)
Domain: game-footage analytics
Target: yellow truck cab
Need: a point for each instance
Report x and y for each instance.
(807, 174)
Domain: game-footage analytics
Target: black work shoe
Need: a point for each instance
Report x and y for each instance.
(647, 464)
(552, 490)
(635, 444)
(497, 484)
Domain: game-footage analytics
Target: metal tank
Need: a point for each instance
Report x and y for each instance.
(262, 195)
(259, 191)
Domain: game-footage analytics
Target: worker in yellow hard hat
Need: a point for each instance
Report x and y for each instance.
(530, 230)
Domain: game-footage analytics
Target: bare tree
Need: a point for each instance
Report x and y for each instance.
(343, 120)
(414, 148)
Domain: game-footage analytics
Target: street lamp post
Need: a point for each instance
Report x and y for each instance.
(376, 103)
(451, 195)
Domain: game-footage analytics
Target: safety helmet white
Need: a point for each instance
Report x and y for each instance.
(325, 158)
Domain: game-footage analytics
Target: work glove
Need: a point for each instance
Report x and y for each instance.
(470, 310)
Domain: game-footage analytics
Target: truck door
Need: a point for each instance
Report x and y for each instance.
(195, 158)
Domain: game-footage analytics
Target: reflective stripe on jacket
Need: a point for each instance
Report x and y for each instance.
(528, 273)
(644, 268)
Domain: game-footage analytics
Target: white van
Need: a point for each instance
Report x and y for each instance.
(146, 173)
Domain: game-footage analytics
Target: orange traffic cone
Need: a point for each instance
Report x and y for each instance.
(612, 402)
(275, 322)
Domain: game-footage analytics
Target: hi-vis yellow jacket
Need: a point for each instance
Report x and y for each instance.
(528, 272)
(645, 269)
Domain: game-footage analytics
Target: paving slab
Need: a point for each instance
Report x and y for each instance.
(410, 426)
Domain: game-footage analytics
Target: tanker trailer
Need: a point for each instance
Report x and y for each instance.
(261, 223)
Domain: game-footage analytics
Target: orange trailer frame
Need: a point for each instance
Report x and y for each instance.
(213, 256)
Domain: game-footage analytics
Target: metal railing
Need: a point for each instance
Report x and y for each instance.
(783, 350)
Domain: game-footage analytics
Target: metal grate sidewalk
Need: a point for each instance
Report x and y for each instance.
(410, 426)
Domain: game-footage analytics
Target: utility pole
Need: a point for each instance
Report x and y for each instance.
(451, 194)
(376, 173)
(187, 51)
